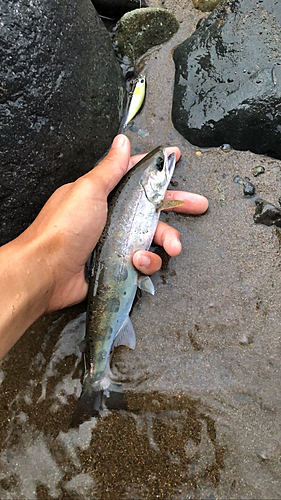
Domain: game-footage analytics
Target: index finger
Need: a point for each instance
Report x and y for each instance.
(194, 204)
(136, 158)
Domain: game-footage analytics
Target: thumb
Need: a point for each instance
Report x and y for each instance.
(112, 168)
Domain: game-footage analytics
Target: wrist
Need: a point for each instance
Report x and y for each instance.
(25, 289)
(40, 276)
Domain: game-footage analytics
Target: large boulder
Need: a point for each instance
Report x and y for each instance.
(62, 98)
(228, 78)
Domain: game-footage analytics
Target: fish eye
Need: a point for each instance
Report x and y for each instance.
(142, 80)
(159, 164)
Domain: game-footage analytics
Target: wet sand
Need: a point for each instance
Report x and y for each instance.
(203, 384)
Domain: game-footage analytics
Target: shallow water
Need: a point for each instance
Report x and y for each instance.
(203, 384)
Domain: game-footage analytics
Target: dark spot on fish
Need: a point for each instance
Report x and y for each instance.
(123, 275)
(114, 304)
(125, 293)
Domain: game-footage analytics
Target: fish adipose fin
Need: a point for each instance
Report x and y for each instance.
(91, 403)
(125, 335)
(145, 284)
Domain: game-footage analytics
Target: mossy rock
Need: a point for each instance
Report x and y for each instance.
(205, 5)
(141, 29)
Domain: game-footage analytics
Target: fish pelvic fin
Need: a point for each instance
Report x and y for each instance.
(92, 402)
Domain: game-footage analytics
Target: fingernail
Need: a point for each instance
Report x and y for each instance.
(144, 261)
(119, 141)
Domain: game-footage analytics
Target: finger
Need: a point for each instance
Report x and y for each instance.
(169, 238)
(135, 159)
(111, 169)
(193, 203)
(147, 262)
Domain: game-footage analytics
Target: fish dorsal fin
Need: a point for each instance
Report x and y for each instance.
(145, 284)
(125, 335)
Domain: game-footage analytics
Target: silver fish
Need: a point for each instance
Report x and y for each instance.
(133, 214)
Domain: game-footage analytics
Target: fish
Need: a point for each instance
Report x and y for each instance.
(133, 213)
(137, 99)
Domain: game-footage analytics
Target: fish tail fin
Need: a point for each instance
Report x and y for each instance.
(88, 405)
(92, 402)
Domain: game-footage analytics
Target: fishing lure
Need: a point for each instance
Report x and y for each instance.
(137, 99)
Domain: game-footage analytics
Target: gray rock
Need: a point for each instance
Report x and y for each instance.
(142, 29)
(248, 187)
(228, 79)
(62, 97)
(117, 8)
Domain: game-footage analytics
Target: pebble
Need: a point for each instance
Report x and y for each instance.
(248, 188)
(258, 170)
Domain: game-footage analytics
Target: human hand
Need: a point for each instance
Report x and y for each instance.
(71, 222)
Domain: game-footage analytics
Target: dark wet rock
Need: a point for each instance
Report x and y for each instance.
(141, 29)
(248, 188)
(258, 170)
(228, 79)
(267, 213)
(61, 96)
(116, 8)
(205, 5)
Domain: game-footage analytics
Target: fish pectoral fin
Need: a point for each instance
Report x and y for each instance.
(145, 284)
(125, 335)
(166, 204)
